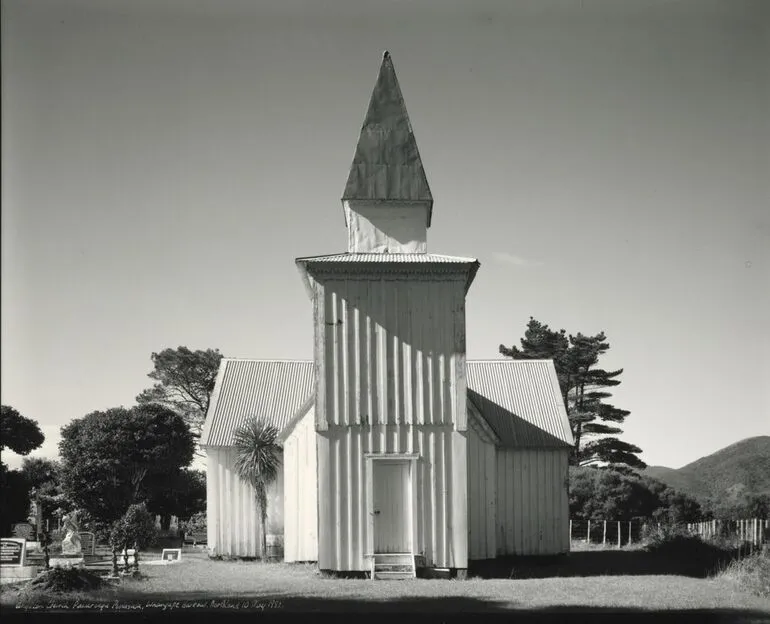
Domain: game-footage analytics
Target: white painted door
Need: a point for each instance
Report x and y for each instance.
(391, 507)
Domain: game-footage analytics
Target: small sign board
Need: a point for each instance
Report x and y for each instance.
(13, 551)
(171, 554)
(87, 542)
(23, 529)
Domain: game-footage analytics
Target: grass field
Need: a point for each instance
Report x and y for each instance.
(200, 583)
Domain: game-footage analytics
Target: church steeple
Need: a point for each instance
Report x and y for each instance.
(387, 187)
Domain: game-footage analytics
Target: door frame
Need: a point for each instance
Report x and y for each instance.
(410, 459)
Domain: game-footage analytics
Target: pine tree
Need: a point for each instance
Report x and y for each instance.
(583, 387)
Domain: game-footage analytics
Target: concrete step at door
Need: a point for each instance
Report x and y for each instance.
(393, 566)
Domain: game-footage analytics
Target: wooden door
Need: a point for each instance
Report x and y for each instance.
(391, 507)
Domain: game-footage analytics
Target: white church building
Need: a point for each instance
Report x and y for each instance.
(398, 454)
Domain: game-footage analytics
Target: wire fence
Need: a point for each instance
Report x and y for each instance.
(754, 532)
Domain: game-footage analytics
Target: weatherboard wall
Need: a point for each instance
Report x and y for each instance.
(482, 493)
(532, 501)
(300, 492)
(232, 518)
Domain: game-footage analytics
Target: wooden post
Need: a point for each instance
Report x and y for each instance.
(629, 532)
(604, 534)
(570, 531)
(588, 533)
(618, 533)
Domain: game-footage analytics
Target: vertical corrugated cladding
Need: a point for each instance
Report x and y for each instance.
(231, 513)
(482, 494)
(300, 500)
(441, 537)
(393, 352)
(392, 371)
(532, 501)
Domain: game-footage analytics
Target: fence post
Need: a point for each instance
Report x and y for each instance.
(570, 531)
(604, 534)
(618, 533)
(588, 533)
(629, 532)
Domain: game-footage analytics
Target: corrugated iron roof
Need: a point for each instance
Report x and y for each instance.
(387, 163)
(405, 258)
(521, 401)
(272, 390)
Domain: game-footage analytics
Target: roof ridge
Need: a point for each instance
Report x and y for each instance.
(508, 360)
(247, 359)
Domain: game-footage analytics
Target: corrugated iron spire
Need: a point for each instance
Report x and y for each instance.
(387, 164)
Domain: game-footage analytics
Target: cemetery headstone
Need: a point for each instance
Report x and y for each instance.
(171, 554)
(87, 542)
(23, 529)
(13, 551)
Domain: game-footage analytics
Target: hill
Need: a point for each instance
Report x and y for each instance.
(740, 469)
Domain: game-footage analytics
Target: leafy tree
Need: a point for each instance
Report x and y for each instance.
(258, 461)
(108, 458)
(185, 383)
(181, 493)
(15, 504)
(618, 493)
(17, 433)
(606, 494)
(44, 480)
(583, 387)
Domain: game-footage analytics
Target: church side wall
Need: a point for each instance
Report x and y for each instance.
(482, 495)
(232, 518)
(300, 492)
(532, 501)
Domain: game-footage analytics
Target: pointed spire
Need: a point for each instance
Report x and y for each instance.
(387, 164)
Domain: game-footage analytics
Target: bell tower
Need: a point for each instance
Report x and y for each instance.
(387, 200)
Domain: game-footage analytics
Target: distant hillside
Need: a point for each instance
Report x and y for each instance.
(741, 468)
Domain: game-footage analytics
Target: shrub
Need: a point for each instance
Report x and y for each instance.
(63, 580)
(752, 573)
(662, 537)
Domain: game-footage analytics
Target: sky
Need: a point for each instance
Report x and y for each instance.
(164, 162)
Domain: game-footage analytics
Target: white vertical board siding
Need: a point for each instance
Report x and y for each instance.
(391, 379)
(231, 513)
(440, 516)
(393, 351)
(482, 496)
(300, 492)
(532, 501)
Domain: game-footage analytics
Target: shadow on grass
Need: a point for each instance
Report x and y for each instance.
(434, 609)
(701, 562)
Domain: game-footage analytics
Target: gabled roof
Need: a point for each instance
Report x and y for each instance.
(521, 401)
(272, 390)
(387, 164)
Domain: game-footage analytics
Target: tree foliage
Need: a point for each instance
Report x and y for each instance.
(17, 433)
(43, 477)
(180, 493)
(610, 494)
(15, 504)
(185, 381)
(594, 422)
(109, 458)
(258, 461)
(135, 529)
